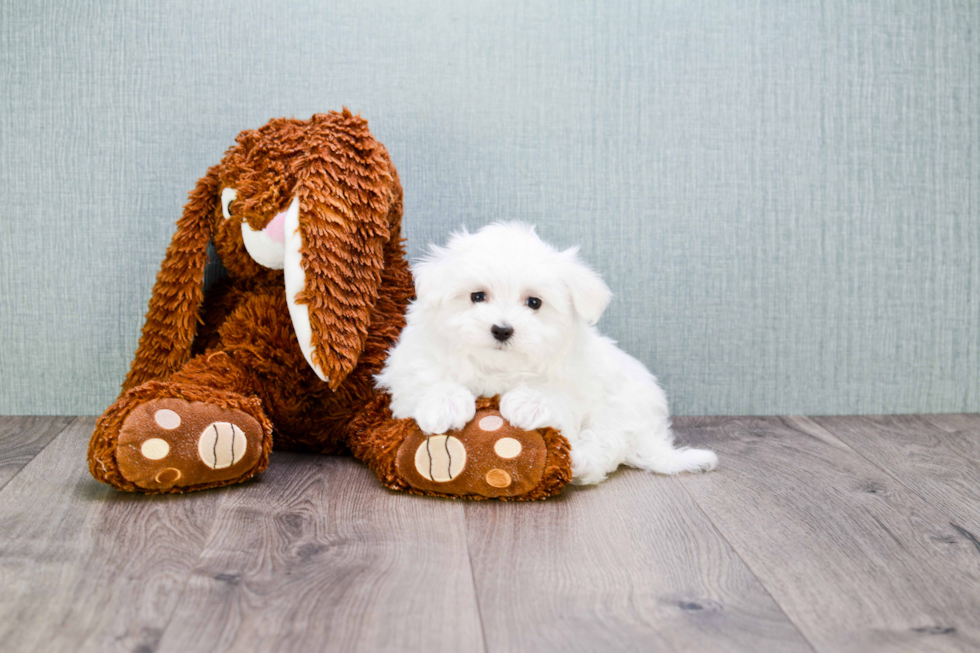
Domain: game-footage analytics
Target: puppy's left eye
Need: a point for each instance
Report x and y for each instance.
(478, 297)
(533, 302)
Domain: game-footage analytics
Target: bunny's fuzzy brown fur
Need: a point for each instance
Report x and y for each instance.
(237, 349)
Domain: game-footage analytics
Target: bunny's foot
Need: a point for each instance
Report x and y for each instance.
(169, 437)
(488, 458)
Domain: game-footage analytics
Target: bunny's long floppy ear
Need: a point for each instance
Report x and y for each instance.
(171, 322)
(336, 232)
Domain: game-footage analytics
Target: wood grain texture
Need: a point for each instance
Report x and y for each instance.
(318, 556)
(857, 561)
(798, 542)
(935, 456)
(84, 567)
(21, 438)
(629, 565)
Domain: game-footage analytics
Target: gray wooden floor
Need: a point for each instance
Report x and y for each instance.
(828, 534)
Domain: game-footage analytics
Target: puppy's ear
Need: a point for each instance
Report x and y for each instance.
(589, 293)
(431, 276)
(438, 275)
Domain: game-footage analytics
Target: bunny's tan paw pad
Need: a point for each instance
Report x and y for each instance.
(486, 458)
(171, 444)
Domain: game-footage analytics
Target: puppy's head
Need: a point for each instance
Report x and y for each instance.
(504, 293)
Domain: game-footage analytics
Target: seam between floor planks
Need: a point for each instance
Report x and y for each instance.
(324, 536)
(476, 589)
(630, 564)
(222, 497)
(800, 627)
(821, 553)
(815, 424)
(747, 564)
(867, 451)
(871, 461)
(48, 424)
(77, 549)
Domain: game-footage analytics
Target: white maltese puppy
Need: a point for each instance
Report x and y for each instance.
(502, 312)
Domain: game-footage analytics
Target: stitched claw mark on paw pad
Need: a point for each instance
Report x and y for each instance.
(488, 457)
(441, 458)
(167, 443)
(222, 444)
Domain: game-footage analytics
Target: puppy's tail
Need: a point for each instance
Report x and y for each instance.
(667, 460)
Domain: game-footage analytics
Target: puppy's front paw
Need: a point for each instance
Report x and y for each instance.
(586, 468)
(444, 409)
(527, 409)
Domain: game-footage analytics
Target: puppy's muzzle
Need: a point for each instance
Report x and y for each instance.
(502, 333)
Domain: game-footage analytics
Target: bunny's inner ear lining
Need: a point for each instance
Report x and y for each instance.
(295, 283)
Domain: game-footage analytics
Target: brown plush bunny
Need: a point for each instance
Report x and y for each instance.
(306, 217)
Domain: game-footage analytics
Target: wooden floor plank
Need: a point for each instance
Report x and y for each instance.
(629, 565)
(935, 456)
(320, 557)
(84, 567)
(857, 561)
(22, 438)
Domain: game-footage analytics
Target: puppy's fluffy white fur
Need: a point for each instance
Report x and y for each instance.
(554, 370)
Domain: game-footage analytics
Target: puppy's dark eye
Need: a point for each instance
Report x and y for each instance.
(478, 297)
(533, 302)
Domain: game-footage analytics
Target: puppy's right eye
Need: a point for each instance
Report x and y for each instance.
(478, 297)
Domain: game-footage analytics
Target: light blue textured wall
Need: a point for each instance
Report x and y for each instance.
(785, 196)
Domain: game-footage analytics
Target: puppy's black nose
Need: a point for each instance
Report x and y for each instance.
(502, 333)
